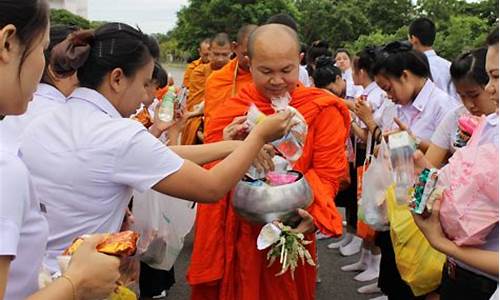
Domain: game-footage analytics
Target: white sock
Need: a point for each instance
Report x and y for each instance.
(352, 248)
(369, 289)
(372, 271)
(361, 264)
(344, 241)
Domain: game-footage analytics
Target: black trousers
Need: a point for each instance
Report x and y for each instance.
(152, 282)
(459, 283)
(348, 198)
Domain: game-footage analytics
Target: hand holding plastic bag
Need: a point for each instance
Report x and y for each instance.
(376, 179)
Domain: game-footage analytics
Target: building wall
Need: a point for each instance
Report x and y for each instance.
(78, 7)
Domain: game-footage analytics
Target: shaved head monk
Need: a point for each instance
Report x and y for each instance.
(229, 80)
(225, 263)
(203, 52)
(219, 56)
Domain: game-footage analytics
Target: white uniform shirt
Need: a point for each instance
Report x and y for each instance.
(446, 132)
(23, 228)
(375, 96)
(85, 160)
(304, 76)
(352, 91)
(44, 100)
(425, 113)
(440, 71)
(490, 131)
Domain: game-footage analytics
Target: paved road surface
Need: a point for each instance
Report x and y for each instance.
(335, 283)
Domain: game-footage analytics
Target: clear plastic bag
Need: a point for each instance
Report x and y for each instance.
(402, 147)
(376, 180)
(291, 145)
(163, 222)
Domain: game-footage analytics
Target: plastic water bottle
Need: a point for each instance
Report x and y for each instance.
(166, 112)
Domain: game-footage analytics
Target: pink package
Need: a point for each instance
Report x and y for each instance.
(468, 123)
(469, 207)
(278, 178)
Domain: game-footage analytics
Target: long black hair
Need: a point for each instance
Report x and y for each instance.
(93, 54)
(398, 56)
(30, 17)
(470, 66)
(325, 72)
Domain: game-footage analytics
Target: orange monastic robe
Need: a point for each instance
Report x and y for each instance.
(225, 263)
(224, 84)
(189, 70)
(196, 96)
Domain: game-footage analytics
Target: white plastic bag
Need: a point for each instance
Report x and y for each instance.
(163, 222)
(376, 179)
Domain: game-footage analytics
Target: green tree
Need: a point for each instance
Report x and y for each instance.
(462, 33)
(64, 17)
(336, 22)
(389, 15)
(201, 19)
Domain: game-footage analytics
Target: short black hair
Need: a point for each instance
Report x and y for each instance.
(424, 29)
(326, 72)
(220, 39)
(398, 56)
(470, 66)
(283, 19)
(314, 52)
(160, 75)
(492, 38)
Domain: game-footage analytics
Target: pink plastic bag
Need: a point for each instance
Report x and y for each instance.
(469, 207)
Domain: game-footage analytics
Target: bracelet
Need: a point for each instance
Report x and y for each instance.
(71, 283)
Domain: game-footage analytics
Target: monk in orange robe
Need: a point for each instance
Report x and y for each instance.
(204, 52)
(228, 81)
(220, 51)
(226, 264)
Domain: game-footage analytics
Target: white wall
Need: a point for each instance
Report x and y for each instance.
(79, 7)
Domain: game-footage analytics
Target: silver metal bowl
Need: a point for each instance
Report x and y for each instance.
(264, 203)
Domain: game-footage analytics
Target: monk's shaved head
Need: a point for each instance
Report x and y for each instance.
(220, 39)
(244, 32)
(273, 35)
(274, 57)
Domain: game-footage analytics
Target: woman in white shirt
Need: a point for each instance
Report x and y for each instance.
(86, 157)
(403, 74)
(469, 76)
(343, 62)
(24, 230)
(470, 272)
(51, 91)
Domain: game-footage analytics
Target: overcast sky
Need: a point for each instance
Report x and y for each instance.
(152, 16)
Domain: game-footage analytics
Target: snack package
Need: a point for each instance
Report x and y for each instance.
(402, 146)
(466, 126)
(422, 191)
(143, 117)
(120, 244)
